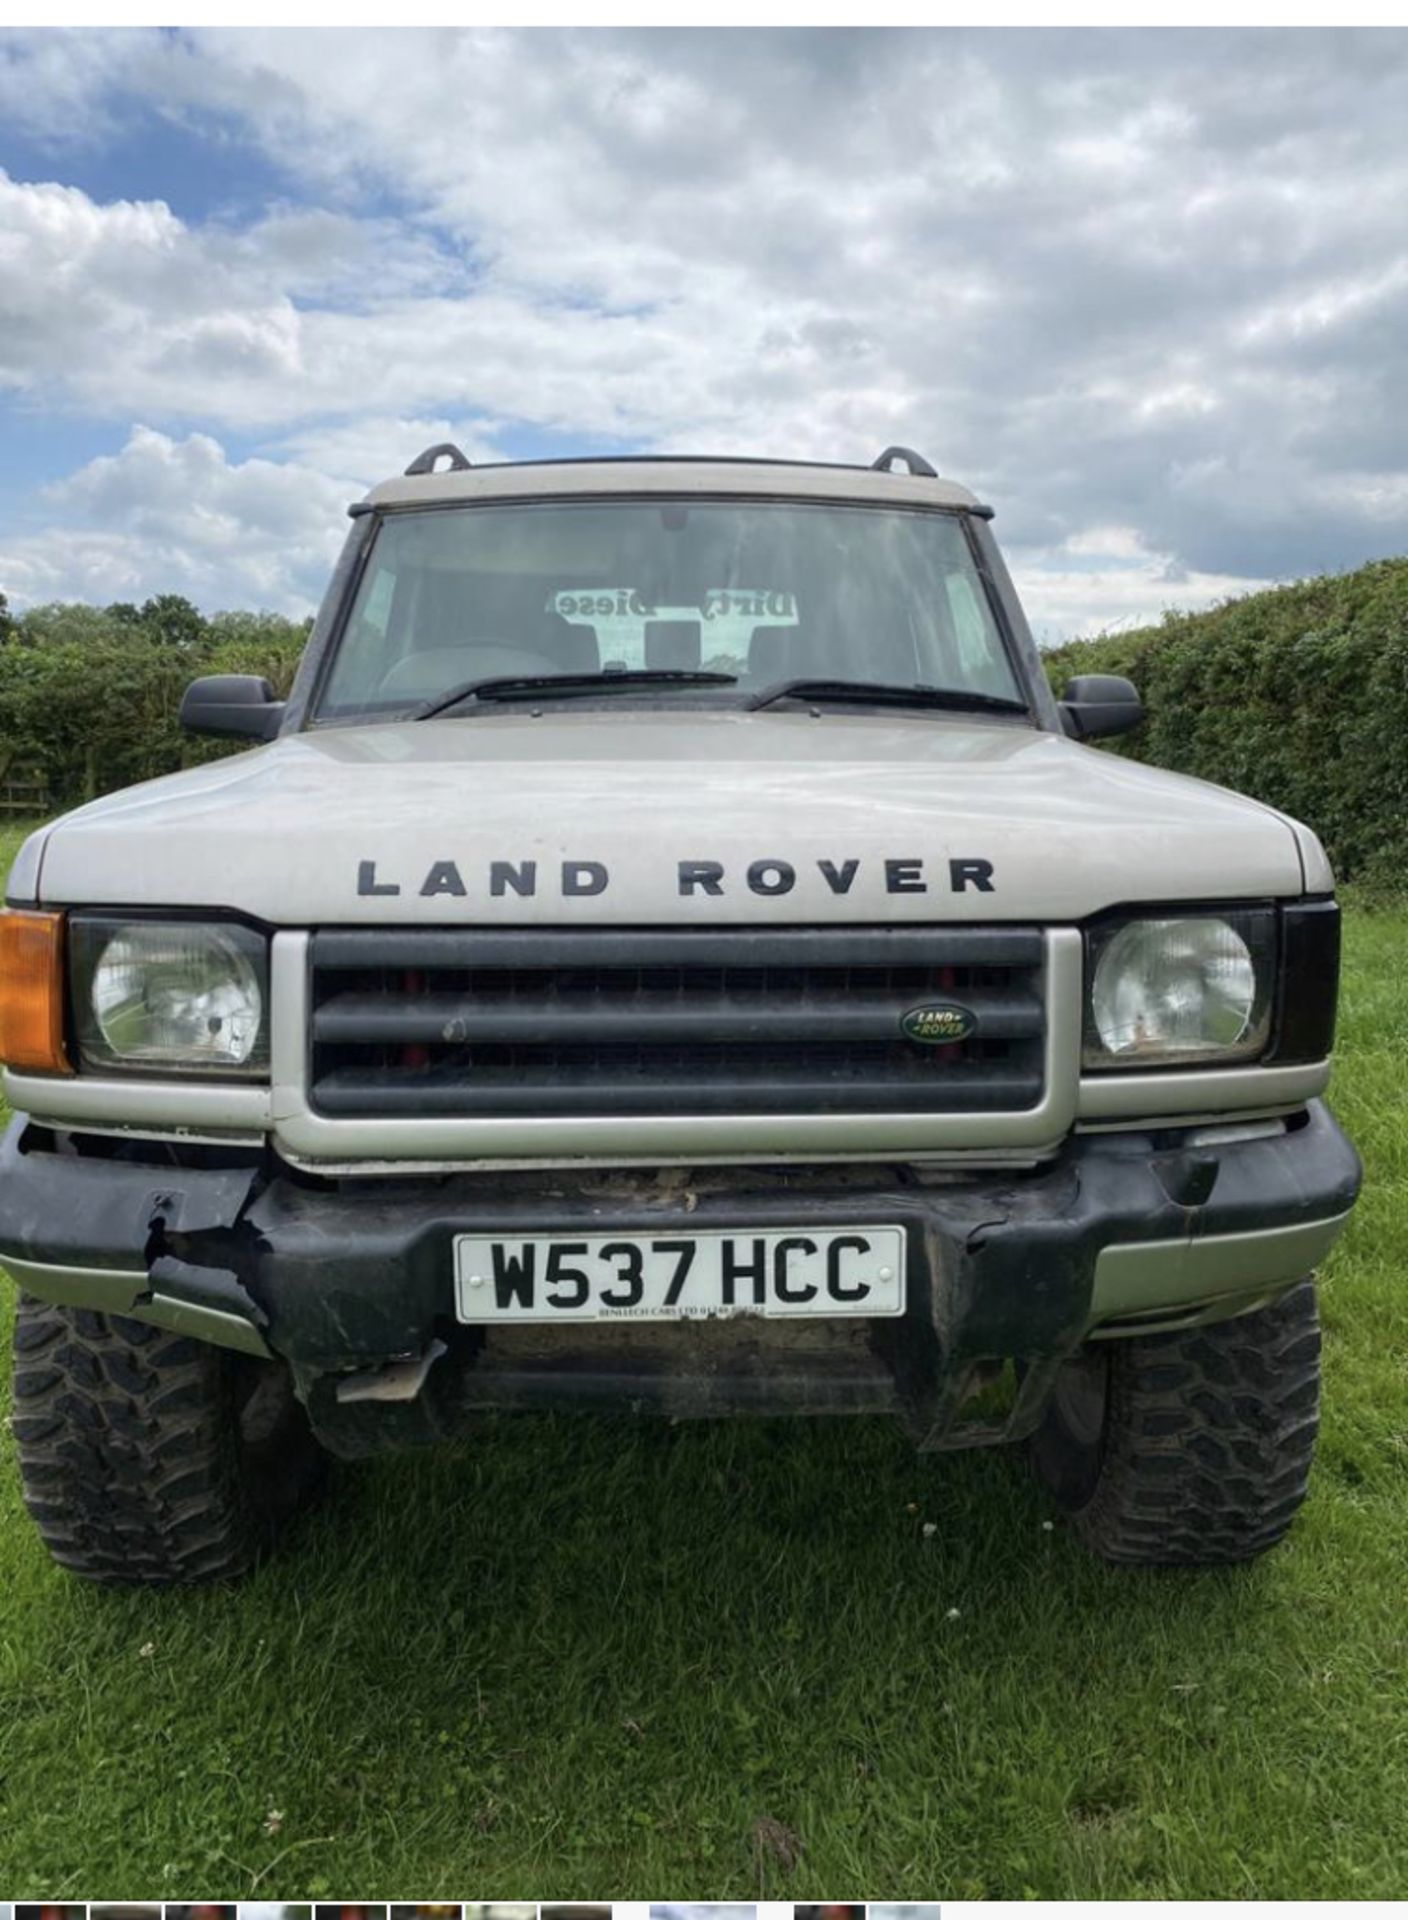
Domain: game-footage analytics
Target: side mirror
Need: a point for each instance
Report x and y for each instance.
(1095, 704)
(238, 706)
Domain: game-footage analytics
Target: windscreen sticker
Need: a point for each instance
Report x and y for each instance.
(727, 618)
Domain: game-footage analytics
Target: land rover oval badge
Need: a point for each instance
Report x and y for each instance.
(937, 1026)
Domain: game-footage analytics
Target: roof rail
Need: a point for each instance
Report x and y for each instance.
(425, 462)
(914, 461)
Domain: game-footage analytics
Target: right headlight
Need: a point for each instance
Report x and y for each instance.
(170, 996)
(1180, 989)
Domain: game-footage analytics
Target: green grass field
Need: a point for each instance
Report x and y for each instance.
(600, 1658)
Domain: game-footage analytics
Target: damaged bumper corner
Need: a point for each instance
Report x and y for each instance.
(167, 1252)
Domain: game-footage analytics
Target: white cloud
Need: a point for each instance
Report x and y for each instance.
(1105, 581)
(1142, 281)
(55, 84)
(375, 447)
(175, 516)
(94, 300)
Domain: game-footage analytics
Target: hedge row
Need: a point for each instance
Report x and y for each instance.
(89, 696)
(1298, 696)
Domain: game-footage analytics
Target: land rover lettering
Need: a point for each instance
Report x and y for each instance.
(768, 877)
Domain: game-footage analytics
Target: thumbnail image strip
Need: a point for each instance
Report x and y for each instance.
(702, 1910)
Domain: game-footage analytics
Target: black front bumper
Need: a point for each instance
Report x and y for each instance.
(343, 1276)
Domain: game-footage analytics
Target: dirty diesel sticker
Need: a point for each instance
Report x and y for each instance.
(719, 629)
(684, 1276)
(703, 879)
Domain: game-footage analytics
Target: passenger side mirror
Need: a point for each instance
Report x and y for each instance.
(233, 705)
(1095, 704)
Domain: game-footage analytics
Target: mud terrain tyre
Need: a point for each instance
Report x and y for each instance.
(149, 1459)
(1192, 1448)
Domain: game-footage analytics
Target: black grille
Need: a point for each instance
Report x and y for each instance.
(446, 1022)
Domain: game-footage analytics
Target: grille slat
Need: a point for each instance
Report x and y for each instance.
(477, 1023)
(716, 1019)
(350, 949)
(585, 1090)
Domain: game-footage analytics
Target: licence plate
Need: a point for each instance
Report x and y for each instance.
(681, 1276)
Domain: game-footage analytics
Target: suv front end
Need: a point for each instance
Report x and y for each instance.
(701, 1029)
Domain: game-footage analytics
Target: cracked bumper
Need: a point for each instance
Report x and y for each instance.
(1123, 1232)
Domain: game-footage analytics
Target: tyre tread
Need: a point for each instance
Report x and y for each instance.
(1210, 1435)
(131, 1461)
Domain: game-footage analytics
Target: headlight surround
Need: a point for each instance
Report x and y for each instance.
(170, 996)
(1180, 990)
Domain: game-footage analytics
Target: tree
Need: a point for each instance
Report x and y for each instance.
(8, 624)
(63, 622)
(171, 619)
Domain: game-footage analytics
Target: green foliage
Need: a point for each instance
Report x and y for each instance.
(89, 695)
(1298, 696)
(172, 621)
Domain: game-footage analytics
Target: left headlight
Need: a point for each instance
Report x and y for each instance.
(1180, 990)
(164, 996)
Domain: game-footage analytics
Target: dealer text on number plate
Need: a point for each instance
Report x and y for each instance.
(681, 1276)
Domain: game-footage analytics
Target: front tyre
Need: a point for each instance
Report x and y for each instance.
(149, 1459)
(1192, 1448)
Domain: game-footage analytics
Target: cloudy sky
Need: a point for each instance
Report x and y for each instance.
(1146, 291)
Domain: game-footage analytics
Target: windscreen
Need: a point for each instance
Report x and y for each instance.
(765, 591)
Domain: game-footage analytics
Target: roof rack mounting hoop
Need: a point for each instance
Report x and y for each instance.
(425, 462)
(914, 461)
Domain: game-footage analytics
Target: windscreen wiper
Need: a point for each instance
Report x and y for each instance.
(882, 693)
(528, 686)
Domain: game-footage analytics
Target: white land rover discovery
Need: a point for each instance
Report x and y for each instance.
(670, 951)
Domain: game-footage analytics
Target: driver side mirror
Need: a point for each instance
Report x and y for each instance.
(237, 706)
(1096, 704)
